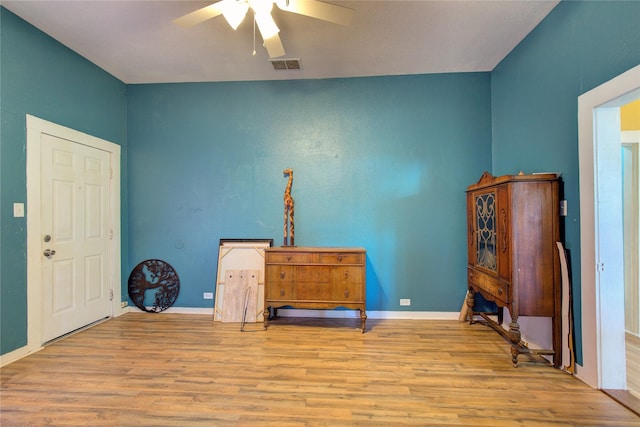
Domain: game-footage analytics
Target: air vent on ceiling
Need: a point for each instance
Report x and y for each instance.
(286, 64)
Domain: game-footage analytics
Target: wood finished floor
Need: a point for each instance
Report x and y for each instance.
(182, 370)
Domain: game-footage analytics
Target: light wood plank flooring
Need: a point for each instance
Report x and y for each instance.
(630, 397)
(182, 370)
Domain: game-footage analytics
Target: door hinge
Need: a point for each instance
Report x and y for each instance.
(111, 234)
(601, 266)
(111, 295)
(110, 173)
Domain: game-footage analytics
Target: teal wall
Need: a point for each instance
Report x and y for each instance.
(39, 76)
(379, 162)
(535, 90)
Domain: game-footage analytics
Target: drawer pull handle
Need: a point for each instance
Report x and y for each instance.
(281, 292)
(282, 275)
(288, 258)
(339, 258)
(346, 274)
(346, 293)
(500, 291)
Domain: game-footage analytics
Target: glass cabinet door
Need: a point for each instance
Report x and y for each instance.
(485, 236)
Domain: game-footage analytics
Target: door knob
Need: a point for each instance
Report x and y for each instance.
(49, 253)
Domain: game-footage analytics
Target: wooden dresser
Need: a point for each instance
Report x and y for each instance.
(315, 278)
(513, 227)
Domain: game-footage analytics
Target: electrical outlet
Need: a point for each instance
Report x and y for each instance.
(405, 301)
(207, 295)
(123, 304)
(18, 210)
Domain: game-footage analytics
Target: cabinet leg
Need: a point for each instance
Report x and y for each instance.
(363, 320)
(514, 337)
(470, 300)
(514, 356)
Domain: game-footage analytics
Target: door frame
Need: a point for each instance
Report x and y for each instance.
(601, 231)
(36, 127)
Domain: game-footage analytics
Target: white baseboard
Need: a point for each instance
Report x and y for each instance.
(17, 354)
(176, 310)
(348, 314)
(414, 315)
(329, 314)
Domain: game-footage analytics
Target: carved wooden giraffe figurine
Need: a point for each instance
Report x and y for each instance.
(288, 209)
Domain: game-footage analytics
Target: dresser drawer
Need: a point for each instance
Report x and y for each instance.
(347, 275)
(348, 293)
(316, 291)
(288, 257)
(281, 274)
(313, 274)
(280, 291)
(490, 285)
(341, 258)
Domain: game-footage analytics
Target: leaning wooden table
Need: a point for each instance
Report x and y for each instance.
(315, 278)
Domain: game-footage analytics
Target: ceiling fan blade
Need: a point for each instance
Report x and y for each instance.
(318, 9)
(200, 15)
(274, 46)
(266, 25)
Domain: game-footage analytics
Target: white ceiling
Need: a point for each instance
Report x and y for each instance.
(136, 42)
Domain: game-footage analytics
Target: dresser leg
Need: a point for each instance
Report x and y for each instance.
(266, 317)
(363, 320)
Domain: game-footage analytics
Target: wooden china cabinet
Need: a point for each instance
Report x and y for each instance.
(513, 227)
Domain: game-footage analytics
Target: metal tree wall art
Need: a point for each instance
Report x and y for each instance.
(288, 211)
(156, 281)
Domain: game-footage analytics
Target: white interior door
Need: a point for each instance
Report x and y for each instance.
(75, 245)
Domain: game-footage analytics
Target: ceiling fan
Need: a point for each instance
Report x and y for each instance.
(235, 11)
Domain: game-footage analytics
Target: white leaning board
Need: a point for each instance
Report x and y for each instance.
(240, 290)
(240, 255)
(567, 320)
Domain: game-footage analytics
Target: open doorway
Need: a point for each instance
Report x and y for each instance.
(601, 231)
(630, 121)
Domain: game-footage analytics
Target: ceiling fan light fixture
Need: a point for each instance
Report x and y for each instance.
(233, 11)
(266, 25)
